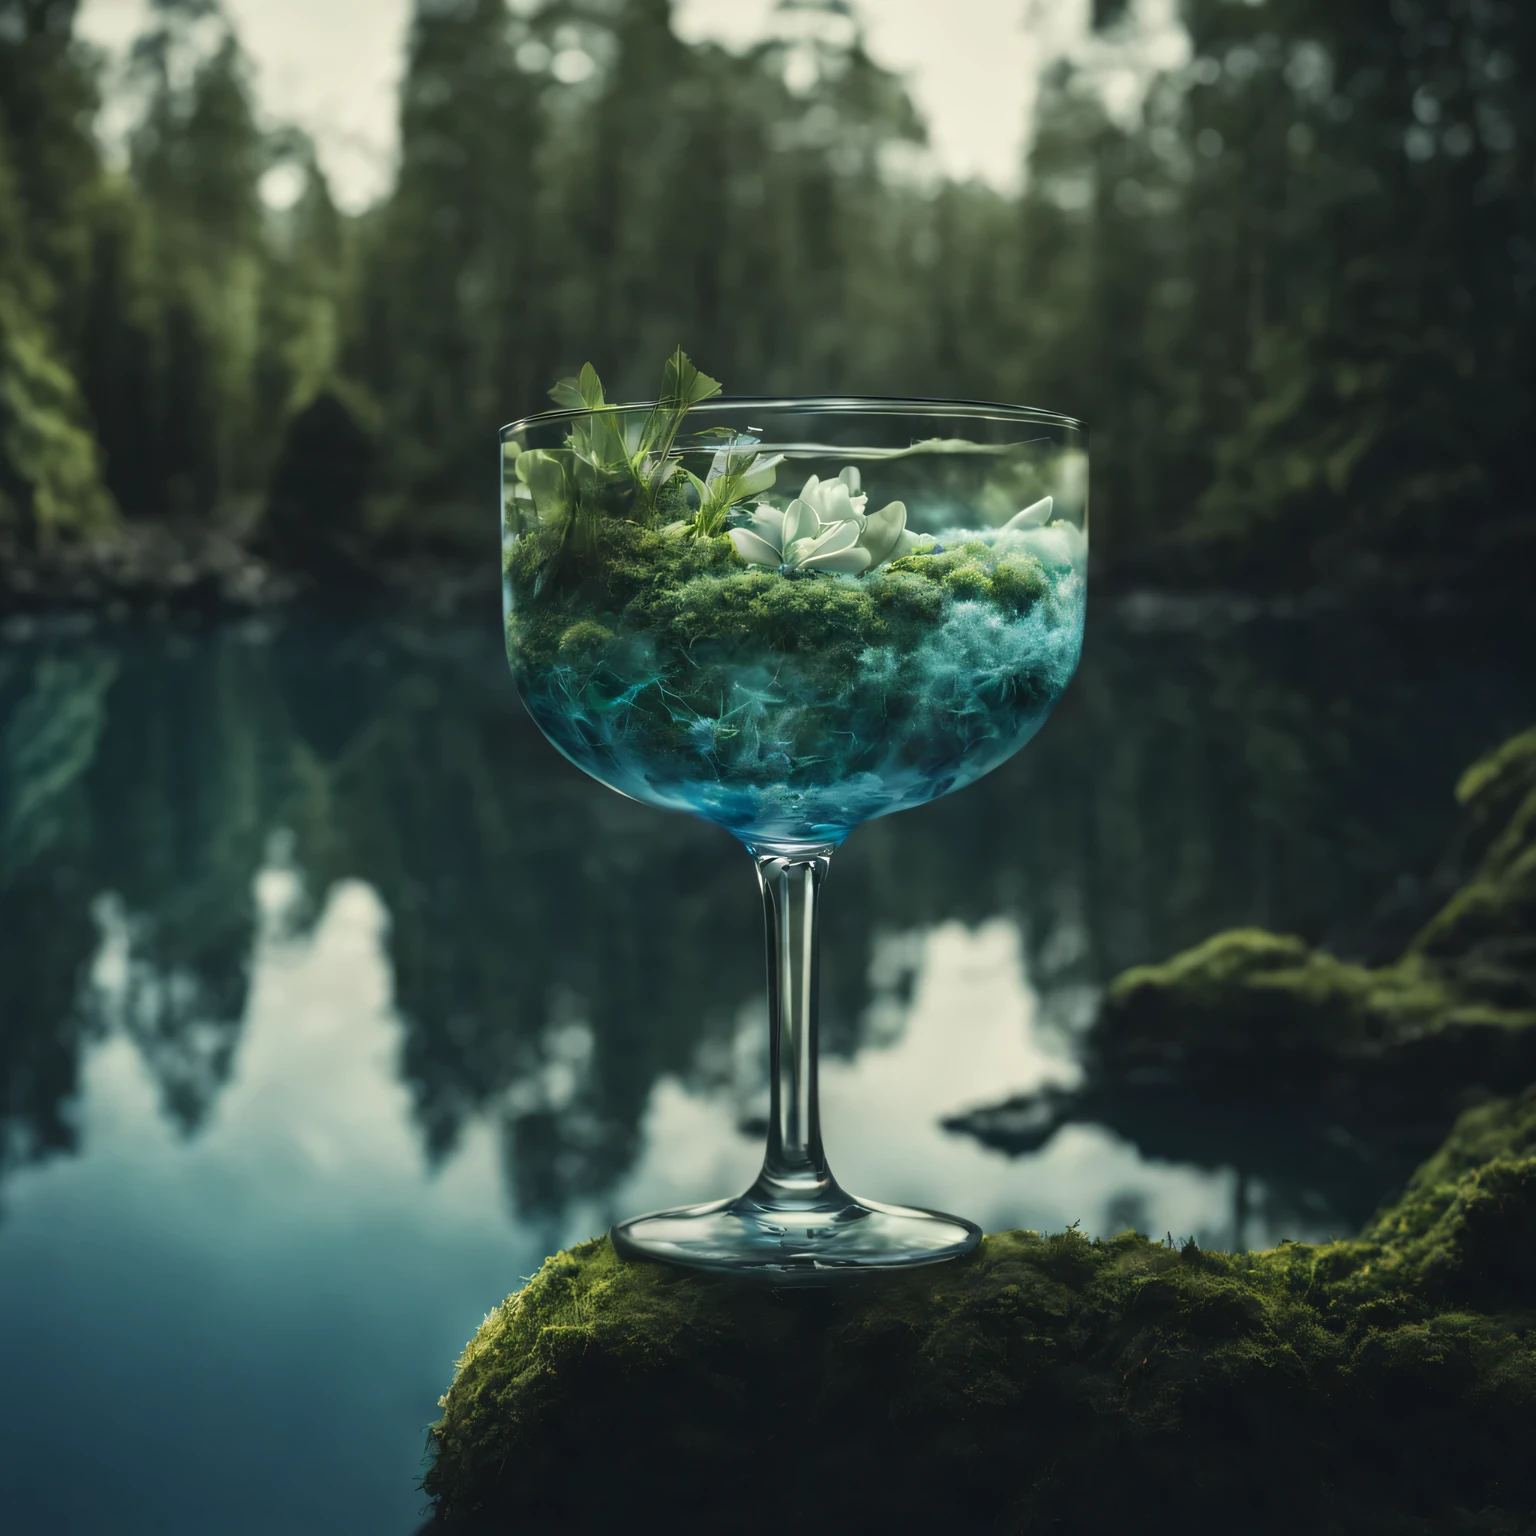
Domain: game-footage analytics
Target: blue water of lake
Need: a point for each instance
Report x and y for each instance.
(332, 1000)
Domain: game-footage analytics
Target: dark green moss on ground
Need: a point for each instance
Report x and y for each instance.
(1264, 1015)
(1050, 1383)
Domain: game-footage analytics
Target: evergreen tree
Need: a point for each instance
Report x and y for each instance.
(1293, 298)
(50, 470)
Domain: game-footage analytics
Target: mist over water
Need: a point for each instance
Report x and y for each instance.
(333, 999)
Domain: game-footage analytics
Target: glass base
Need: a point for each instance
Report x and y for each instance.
(796, 1242)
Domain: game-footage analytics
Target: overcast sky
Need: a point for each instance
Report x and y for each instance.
(333, 66)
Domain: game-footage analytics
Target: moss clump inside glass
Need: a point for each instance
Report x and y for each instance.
(787, 638)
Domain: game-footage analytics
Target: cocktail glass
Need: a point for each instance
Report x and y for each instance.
(789, 617)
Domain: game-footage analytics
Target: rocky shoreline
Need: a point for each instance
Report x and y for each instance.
(162, 570)
(142, 568)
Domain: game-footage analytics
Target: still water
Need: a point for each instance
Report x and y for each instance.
(332, 999)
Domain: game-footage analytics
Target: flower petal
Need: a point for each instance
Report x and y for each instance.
(835, 505)
(849, 561)
(768, 523)
(800, 521)
(1036, 515)
(850, 478)
(839, 536)
(753, 550)
(882, 530)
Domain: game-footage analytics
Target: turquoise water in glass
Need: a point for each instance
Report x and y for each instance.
(781, 747)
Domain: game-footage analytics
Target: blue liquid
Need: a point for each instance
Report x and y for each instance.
(775, 749)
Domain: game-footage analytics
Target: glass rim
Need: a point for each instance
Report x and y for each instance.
(893, 405)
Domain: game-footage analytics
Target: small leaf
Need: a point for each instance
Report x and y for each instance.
(567, 395)
(544, 475)
(590, 387)
(683, 385)
(758, 478)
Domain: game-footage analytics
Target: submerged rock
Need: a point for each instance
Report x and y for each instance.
(1049, 1383)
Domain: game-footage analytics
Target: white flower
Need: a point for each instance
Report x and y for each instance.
(825, 528)
(1037, 515)
(1058, 545)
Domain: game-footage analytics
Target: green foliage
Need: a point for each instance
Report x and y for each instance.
(620, 462)
(192, 323)
(1293, 294)
(1498, 905)
(50, 464)
(50, 470)
(1058, 1382)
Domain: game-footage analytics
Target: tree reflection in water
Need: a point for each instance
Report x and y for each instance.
(556, 950)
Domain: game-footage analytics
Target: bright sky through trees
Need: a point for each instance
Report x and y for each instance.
(333, 65)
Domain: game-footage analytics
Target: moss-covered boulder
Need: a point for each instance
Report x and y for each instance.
(1049, 1383)
(1264, 1016)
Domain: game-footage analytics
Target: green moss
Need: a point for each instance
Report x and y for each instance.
(1248, 990)
(936, 568)
(1019, 582)
(969, 581)
(1263, 1015)
(696, 598)
(1498, 904)
(903, 598)
(1494, 785)
(584, 640)
(1049, 1383)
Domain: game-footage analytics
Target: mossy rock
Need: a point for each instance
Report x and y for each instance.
(1048, 1383)
(1264, 1011)
(1486, 932)
(1264, 1016)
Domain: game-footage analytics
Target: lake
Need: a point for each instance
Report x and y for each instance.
(332, 1000)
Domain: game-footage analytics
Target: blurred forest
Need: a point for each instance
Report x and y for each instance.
(1293, 298)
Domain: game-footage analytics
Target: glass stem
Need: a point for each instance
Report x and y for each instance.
(794, 1166)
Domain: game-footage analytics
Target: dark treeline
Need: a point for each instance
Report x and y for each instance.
(1293, 297)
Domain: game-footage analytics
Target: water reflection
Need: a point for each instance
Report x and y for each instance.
(331, 999)
(557, 952)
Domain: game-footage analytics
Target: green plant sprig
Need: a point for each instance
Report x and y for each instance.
(608, 446)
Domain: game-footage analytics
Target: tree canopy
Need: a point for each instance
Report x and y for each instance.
(1291, 291)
